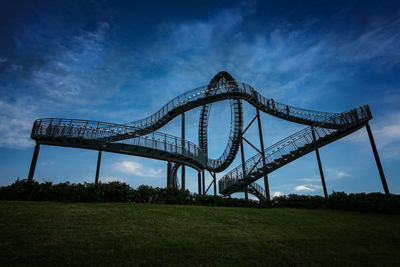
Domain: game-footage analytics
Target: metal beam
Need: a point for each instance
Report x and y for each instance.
(33, 162)
(248, 126)
(204, 182)
(321, 171)
(246, 196)
(214, 176)
(215, 184)
(183, 147)
(209, 186)
(96, 181)
(169, 175)
(260, 133)
(199, 181)
(377, 159)
(250, 185)
(253, 146)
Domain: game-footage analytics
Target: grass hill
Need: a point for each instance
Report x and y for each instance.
(54, 233)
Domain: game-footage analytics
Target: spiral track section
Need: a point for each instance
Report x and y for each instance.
(142, 138)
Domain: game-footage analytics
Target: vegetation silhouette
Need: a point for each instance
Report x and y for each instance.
(122, 192)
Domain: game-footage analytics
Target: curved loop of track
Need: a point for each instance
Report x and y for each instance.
(142, 138)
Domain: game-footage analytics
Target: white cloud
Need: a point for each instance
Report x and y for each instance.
(3, 59)
(307, 187)
(136, 168)
(84, 72)
(380, 41)
(386, 132)
(198, 48)
(276, 194)
(16, 120)
(303, 188)
(341, 174)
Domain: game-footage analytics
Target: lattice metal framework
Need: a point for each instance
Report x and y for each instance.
(142, 138)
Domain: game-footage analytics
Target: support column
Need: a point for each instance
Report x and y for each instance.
(96, 182)
(321, 171)
(215, 183)
(169, 175)
(33, 162)
(246, 195)
(260, 133)
(377, 159)
(199, 181)
(183, 147)
(204, 182)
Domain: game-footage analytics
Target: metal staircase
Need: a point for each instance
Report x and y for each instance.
(132, 137)
(293, 147)
(254, 189)
(98, 136)
(141, 137)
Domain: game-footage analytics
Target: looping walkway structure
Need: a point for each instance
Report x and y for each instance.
(142, 138)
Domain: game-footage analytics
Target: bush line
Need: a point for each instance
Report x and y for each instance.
(122, 192)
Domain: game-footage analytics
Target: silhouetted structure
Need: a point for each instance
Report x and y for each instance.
(141, 138)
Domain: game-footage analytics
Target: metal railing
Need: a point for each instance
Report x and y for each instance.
(258, 188)
(277, 153)
(137, 134)
(102, 133)
(226, 89)
(230, 87)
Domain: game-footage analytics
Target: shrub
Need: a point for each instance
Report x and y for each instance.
(122, 192)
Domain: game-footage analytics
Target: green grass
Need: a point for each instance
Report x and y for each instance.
(52, 234)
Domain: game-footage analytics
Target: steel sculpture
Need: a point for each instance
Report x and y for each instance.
(141, 138)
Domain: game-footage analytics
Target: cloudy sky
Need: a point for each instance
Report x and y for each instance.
(119, 62)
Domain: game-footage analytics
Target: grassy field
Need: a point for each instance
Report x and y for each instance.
(52, 234)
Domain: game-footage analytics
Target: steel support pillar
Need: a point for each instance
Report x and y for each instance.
(183, 147)
(199, 181)
(204, 182)
(260, 133)
(33, 162)
(215, 183)
(377, 159)
(169, 175)
(96, 181)
(246, 195)
(212, 182)
(321, 171)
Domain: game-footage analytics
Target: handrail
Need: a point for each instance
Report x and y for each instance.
(196, 93)
(143, 132)
(101, 132)
(293, 142)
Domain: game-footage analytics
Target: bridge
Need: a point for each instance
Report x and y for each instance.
(143, 138)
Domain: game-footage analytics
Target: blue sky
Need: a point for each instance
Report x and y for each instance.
(120, 61)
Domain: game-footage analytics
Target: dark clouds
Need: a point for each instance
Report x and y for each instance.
(120, 61)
